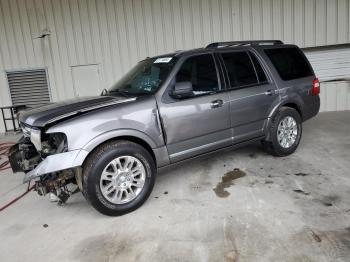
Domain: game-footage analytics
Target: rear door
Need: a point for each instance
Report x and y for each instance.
(199, 123)
(252, 94)
(296, 78)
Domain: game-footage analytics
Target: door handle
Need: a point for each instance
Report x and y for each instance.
(217, 103)
(269, 92)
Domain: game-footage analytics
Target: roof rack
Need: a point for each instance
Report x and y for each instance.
(240, 43)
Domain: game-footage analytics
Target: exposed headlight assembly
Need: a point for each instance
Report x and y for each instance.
(46, 144)
(25, 130)
(35, 138)
(34, 134)
(53, 143)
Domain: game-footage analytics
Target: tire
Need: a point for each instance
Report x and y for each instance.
(274, 145)
(107, 165)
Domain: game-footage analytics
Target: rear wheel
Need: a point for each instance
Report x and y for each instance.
(285, 132)
(118, 177)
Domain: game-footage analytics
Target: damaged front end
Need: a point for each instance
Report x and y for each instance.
(45, 159)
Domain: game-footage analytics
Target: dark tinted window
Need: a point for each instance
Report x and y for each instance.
(239, 68)
(289, 62)
(258, 68)
(201, 72)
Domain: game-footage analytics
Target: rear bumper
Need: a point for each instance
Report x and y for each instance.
(312, 109)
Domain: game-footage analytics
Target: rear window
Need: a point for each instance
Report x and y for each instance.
(290, 63)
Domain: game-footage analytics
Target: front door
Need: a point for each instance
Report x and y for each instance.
(252, 95)
(201, 122)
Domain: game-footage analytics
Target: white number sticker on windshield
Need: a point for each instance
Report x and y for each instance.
(162, 60)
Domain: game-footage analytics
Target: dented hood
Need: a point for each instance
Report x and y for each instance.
(53, 112)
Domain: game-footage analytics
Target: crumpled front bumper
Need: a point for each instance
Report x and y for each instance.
(15, 158)
(56, 163)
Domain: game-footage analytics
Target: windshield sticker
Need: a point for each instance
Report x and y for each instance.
(162, 60)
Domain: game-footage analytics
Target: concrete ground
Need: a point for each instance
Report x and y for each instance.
(295, 208)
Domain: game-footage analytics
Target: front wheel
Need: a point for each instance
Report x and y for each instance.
(285, 132)
(118, 177)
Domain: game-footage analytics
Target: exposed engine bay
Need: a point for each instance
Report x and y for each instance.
(43, 154)
(31, 150)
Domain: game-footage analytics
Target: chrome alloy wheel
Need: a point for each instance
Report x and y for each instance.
(122, 179)
(287, 132)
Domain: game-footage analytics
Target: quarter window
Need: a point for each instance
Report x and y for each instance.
(240, 69)
(201, 72)
(289, 62)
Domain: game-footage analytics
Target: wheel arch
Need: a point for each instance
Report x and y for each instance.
(130, 135)
(295, 106)
(295, 103)
(291, 104)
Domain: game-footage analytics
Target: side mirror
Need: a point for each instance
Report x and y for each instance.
(104, 92)
(182, 90)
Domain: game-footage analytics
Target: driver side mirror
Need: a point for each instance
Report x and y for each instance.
(182, 90)
(104, 92)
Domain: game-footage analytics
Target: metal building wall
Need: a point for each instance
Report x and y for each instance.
(115, 34)
(332, 67)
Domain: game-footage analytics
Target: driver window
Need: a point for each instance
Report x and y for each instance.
(201, 72)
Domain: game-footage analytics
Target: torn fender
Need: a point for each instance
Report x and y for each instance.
(56, 163)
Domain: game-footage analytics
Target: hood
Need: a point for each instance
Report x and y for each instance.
(53, 112)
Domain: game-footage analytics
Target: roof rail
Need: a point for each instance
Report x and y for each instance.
(239, 43)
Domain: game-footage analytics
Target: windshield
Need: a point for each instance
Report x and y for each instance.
(145, 78)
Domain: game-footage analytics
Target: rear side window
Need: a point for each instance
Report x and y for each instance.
(239, 68)
(289, 63)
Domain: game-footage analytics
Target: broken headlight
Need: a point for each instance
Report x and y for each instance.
(35, 138)
(34, 134)
(25, 130)
(46, 144)
(54, 143)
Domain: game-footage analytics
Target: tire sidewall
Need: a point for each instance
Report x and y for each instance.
(284, 112)
(94, 193)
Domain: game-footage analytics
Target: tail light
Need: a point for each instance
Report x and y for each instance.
(315, 87)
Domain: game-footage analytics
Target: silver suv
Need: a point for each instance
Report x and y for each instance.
(167, 109)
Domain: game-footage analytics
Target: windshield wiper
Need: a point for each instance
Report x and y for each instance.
(123, 93)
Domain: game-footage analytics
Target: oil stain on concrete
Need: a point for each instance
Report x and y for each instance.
(337, 242)
(299, 191)
(227, 181)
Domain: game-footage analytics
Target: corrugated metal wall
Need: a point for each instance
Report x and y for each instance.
(115, 34)
(330, 63)
(332, 66)
(335, 96)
